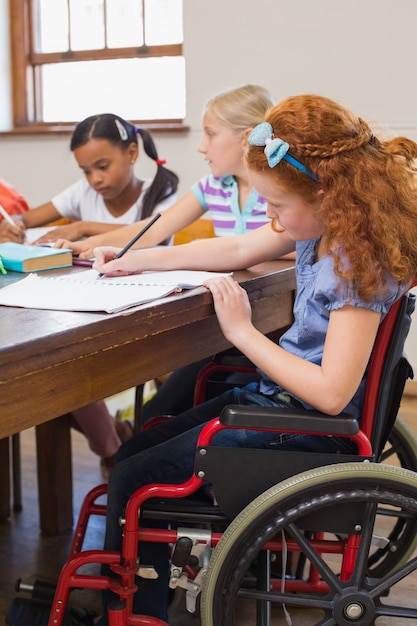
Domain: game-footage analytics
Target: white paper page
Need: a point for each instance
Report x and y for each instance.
(84, 291)
(69, 294)
(186, 279)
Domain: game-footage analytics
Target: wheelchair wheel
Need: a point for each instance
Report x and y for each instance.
(401, 449)
(329, 598)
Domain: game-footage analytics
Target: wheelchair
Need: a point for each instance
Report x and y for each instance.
(315, 538)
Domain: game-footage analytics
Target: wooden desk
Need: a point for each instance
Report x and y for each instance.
(52, 362)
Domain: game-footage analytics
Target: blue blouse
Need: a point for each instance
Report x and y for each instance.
(320, 291)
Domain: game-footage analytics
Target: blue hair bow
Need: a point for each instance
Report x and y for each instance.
(275, 148)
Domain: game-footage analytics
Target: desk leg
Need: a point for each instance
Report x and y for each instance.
(53, 440)
(4, 479)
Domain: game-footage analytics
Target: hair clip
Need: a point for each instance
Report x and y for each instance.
(275, 148)
(122, 130)
(160, 161)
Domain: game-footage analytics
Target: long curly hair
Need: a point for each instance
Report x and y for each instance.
(369, 204)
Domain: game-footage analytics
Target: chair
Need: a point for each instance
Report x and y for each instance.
(202, 228)
(348, 522)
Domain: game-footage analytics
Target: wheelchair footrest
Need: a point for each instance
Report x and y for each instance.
(30, 612)
(27, 612)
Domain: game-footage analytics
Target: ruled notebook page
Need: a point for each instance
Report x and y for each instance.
(85, 292)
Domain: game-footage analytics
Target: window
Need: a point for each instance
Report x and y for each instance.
(74, 58)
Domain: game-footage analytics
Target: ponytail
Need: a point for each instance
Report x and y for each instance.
(119, 132)
(164, 184)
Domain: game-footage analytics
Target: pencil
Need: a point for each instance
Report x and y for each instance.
(7, 216)
(134, 240)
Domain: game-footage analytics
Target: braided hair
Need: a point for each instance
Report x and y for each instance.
(366, 187)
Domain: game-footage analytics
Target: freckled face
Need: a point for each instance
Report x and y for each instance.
(289, 211)
(222, 147)
(107, 168)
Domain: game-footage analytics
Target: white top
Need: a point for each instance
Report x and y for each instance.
(80, 202)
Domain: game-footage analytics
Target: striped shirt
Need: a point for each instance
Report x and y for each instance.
(220, 196)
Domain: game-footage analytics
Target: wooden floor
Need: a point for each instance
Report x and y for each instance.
(25, 554)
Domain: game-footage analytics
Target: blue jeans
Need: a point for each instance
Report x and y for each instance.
(165, 454)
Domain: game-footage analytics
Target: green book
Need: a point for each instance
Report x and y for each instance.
(20, 257)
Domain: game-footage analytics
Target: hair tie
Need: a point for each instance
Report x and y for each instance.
(160, 161)
(275, 148)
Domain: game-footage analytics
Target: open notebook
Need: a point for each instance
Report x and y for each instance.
(83, 291)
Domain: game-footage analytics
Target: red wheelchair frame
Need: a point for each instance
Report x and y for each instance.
(125, 564)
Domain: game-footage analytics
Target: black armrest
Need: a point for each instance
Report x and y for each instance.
(301, 420)
(233, 358)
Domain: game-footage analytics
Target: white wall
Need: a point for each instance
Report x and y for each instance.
(360, 52)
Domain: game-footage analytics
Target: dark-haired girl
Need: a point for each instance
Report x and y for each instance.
(110, 194)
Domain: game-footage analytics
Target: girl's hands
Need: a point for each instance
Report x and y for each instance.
(15, 233)
(71, 232)
(83, 249)
(232, 308)
(104, 257)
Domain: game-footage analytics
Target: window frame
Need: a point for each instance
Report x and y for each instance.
(24, 63)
